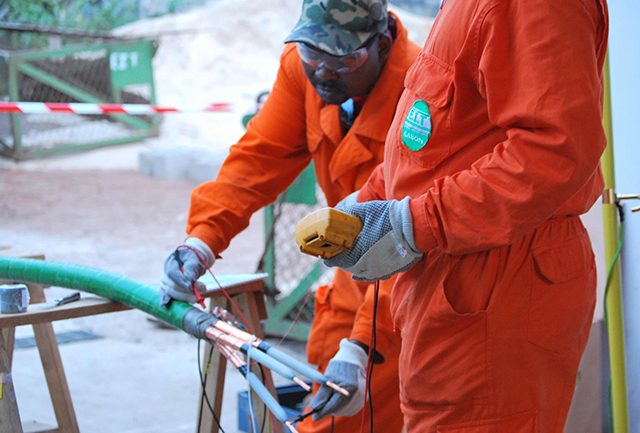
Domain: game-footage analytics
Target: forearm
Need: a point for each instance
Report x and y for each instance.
(253, 175)
(251, 178)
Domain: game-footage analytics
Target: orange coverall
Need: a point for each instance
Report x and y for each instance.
(293, 127)
(495, 317)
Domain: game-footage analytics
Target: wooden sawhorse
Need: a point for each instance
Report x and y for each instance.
(49, 356)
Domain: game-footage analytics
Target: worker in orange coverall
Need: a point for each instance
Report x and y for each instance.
(492, 156)
(339, 80)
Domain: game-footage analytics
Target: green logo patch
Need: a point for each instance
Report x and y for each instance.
(416, 129)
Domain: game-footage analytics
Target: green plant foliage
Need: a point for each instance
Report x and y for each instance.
(88, 15)
(42, 12)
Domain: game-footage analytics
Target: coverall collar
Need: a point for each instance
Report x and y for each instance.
(368, 128)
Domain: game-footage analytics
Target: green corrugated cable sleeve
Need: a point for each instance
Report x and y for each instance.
(107, 285)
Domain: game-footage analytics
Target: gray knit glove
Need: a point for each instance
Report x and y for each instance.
(385, 245)
(346, 369)
(182, 268)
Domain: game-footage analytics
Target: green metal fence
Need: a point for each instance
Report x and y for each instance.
(293, 277)
(112, 72)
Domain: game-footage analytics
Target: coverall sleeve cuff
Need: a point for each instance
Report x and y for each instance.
(422, 231)
(202, 247)
(362, 333)
(208, 235)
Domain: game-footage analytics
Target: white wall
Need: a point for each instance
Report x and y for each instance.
(593, 222)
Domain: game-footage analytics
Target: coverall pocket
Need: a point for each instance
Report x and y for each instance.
(443, 359)
(521, 423)
(470, 282)
(562, 294)
(432, 97)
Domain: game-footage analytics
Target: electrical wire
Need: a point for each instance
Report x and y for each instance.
(614, 259)
(277, 210)
(252, 416)
(203, 378)
(370, 357)
(269, 241)
(296, 318)
(612, 267)
(264, 410)
(234, 306)
(372, 352)
(203, 382)
(305, 415)
(246, 323)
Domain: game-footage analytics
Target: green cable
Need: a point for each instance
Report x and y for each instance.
(108, 285)
(612, 266)
(614, 261)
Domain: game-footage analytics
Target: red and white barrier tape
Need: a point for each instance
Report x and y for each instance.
(87, 108)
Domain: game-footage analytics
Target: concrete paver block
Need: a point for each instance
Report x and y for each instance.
(195, 165)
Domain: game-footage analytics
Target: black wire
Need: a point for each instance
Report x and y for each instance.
(203, 390)
(264, 410)
(205, 397)
(620, 209)
(203, 382)
(302, 416)
(373, 348)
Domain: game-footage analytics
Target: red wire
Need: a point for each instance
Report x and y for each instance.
(198, 295)
(295, 320)
(234, 306)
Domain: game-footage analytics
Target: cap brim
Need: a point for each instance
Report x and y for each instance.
(329, 38)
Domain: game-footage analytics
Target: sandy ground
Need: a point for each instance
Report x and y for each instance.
(136, 377)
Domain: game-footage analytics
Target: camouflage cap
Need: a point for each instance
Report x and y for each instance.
(339, 27)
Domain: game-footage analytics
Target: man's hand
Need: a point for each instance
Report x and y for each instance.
(385, 245)
(348, 370)
(182, 269)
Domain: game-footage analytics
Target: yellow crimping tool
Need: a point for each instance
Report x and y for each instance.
(327, 232)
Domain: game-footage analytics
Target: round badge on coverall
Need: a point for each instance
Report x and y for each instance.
(416, 129)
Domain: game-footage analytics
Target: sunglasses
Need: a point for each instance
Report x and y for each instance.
(340, 64)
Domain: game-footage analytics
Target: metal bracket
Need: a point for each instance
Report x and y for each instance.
(621, 197)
